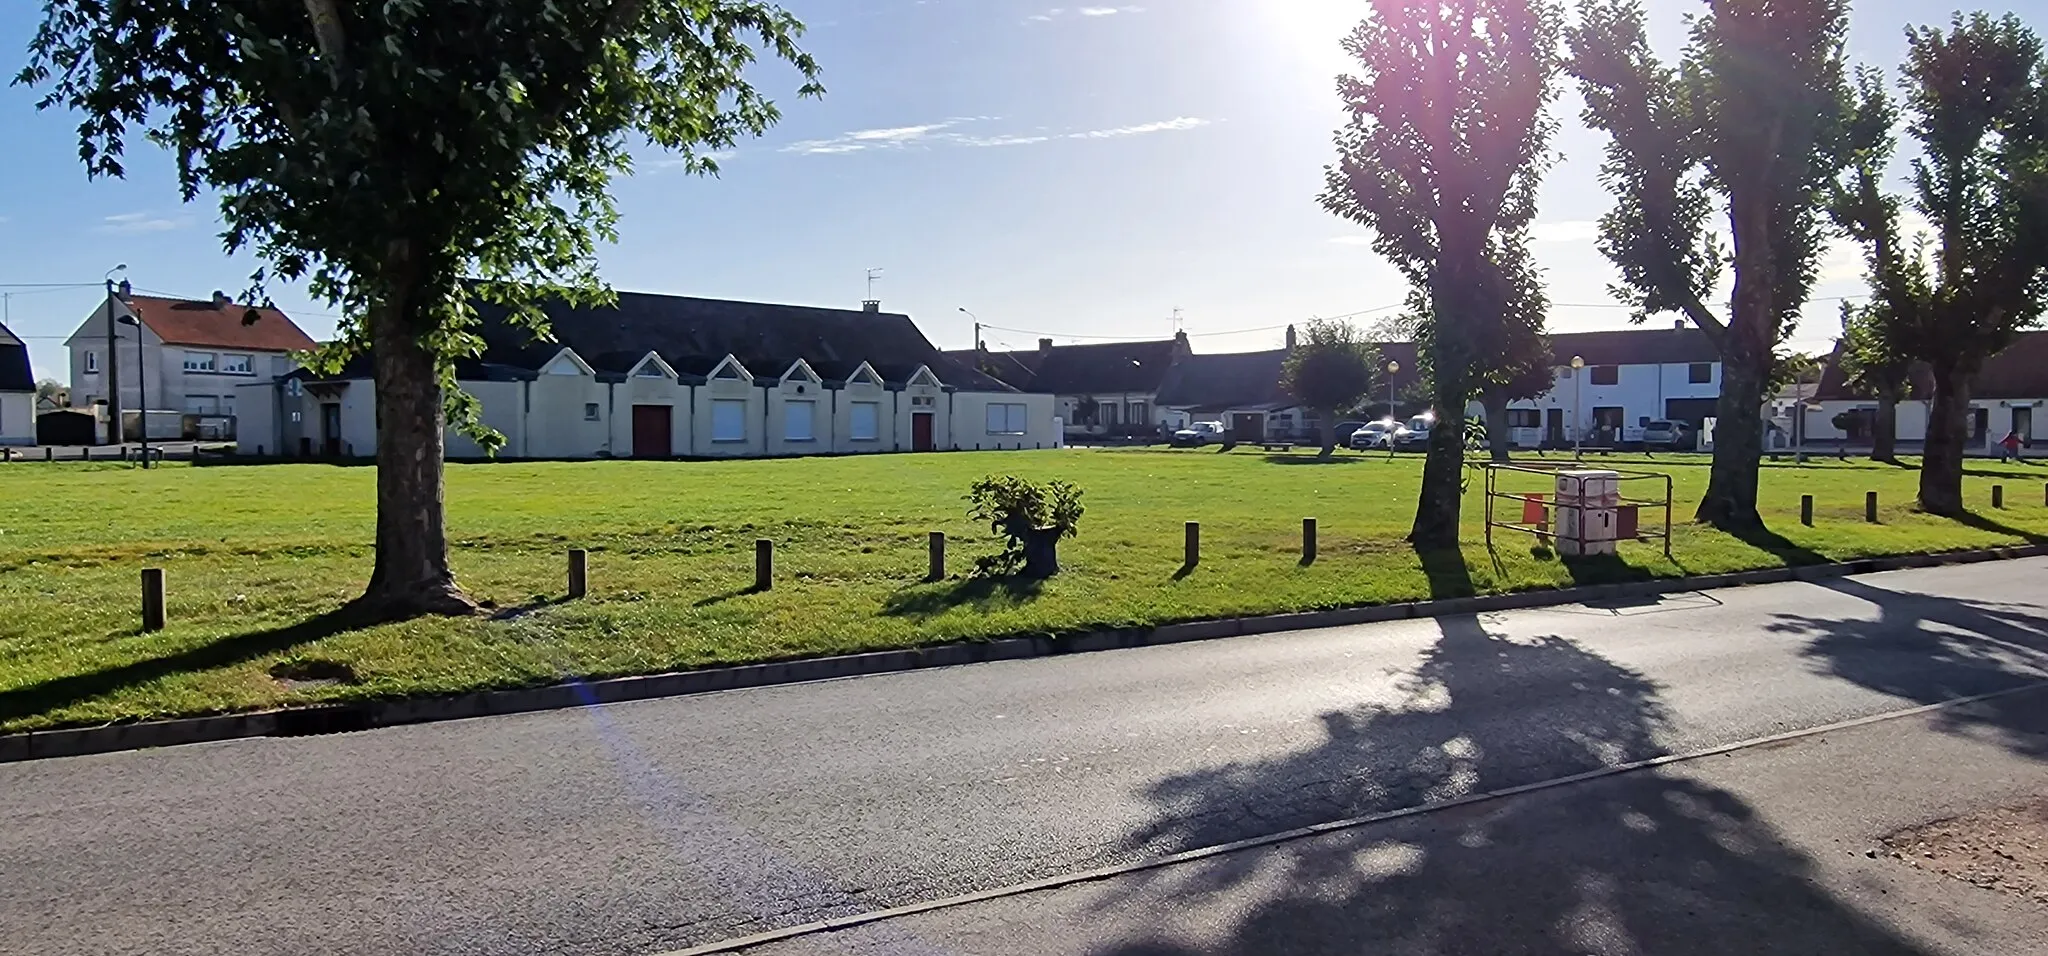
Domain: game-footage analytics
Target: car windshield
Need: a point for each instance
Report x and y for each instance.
(1376, 426)
(1657, 427)
(1420, 423)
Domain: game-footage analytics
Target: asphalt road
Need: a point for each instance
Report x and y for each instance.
(643, 827)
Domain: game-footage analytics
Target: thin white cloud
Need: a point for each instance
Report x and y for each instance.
(135, 223)
(1167, 126)
(945, 134)
(1842, 260)
(1352, 240)
(1571, 230)
(1059, 12)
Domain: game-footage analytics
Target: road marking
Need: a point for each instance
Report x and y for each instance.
(836, 924)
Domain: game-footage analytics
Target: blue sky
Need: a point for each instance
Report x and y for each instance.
(1070, 170)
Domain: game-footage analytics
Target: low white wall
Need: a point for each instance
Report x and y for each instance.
(17, 418)
(971, 430)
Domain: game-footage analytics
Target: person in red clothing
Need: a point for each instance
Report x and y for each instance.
(2011, 445)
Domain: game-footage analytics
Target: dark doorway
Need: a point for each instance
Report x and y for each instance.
(2023, 423)
(1553, 427)
(651, 427)
(1607, 424)
(1980, 422)
(330, 429)
(921, 431)
(1248, 428)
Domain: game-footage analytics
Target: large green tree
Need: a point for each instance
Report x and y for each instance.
(1872, 364)
(1976, 96)
(1748, 123)
(1330, 369)
(387, 151)
(1441, 159)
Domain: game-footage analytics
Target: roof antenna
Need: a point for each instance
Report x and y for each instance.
(873, 274)
(1176, 320)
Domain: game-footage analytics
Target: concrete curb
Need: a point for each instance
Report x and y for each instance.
(338, 718)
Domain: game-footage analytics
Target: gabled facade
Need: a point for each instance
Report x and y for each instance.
(193, 357)
(672, 377)
(1631, 377)
(17, 392)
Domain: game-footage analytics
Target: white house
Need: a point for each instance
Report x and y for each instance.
(17, 392)
(2010, 394)
(1629, 378)
(674, 377)
(1109, 388)
(192, 358)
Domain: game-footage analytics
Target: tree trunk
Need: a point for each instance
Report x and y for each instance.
(1948, 436)
(1041, 553)
(412, 576)
(1329, 431)
(1884, 429)
(1730, 501)
(1497, 437)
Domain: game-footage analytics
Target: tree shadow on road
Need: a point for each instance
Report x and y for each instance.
(1930, 648)
(1645, 862)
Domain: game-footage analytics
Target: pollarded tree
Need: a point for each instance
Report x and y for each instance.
(1750, 119)
(1977, 98)
(1441, 159)
(1330, 369)
(387, 151)
(1519, 368)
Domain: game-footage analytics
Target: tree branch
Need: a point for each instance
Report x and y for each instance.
(328, 34)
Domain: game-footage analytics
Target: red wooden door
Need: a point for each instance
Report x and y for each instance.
(651, 431)
(920, 431)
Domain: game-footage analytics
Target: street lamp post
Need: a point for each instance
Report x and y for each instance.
(1393, 369)
(141, 387)
(112, 376)
(1578, 428)
(977, 326)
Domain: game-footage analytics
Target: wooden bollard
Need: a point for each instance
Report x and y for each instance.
(152, 599)
(1193, 555)
(1308, 540)
(1870, 506)
(935, 548)
(1806, 510)
(579, 573)
(764, 564)
(49, 454)
(1997, 496)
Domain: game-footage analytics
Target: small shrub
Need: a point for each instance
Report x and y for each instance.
(1031, 518)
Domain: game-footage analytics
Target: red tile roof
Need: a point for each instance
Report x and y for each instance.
(181, 322)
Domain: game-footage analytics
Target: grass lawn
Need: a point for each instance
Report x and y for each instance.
(251, 553)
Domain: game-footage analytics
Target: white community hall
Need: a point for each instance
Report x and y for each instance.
(660, 376)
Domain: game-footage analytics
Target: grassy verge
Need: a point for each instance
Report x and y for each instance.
(252, 554)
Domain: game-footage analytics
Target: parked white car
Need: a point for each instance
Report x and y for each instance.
(1373, 434)
(1198, 434)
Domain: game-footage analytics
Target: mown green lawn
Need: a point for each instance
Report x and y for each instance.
(252, 552)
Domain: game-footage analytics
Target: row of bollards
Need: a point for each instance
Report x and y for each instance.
(764, 556)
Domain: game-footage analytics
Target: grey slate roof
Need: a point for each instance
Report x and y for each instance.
(1226, 380)
(693, 334)
(15, 374)
(1079, 369)
(1646, 346)
(2021, 371)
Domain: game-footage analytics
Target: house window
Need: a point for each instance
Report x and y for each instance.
(1606, 374)
(796, 421)
(728, 420)
(651, 370)
(235, 364)
(1525, 418)
(92, 361)
(867, 422)
(728, 372)
(1007, 419)
(1105, 414)
(1700, 373)
(591, 413)
(1137, 416)
(199, 361)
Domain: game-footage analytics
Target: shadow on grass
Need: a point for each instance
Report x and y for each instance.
(983, 594)
(1778, 546)
(1987, 522)
(1448, 574)
(1586, 569)
(62, 692)
(1651, 862)
(1314, 459)
(1929, 648)
(727, 596)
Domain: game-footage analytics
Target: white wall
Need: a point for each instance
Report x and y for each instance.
(256, 418)
(1640, 391)
(168, 384)
(971, 430)
(706, 443)
(555, 423)
(1912, 419)
(17, 418)
(650, 390)
(885, 419)
(792, 394)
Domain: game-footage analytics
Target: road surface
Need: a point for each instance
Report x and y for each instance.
(645, 827)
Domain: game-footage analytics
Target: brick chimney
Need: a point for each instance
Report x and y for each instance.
(1180, 344)
(1045, 346)
(1678, 324)
(1290, 338)
(220, 299)
(871, 305)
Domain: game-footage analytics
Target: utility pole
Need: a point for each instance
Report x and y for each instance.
(112, 375)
